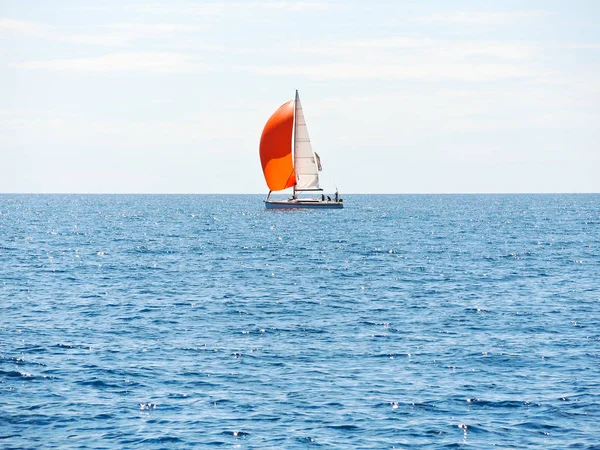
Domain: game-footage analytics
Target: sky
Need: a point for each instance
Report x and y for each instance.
(399, 96)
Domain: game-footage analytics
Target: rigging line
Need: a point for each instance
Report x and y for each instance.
(288, 178)
(331, 172)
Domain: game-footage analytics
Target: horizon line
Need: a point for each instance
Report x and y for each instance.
(276, 193)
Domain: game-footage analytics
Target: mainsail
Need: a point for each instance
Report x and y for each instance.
(307, 176)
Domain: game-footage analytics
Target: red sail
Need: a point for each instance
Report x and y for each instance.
(276, 149)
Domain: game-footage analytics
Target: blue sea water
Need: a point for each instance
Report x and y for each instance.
(408, 321)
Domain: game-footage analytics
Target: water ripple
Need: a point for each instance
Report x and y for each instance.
(206, 321)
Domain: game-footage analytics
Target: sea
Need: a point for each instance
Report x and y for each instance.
(206, 321)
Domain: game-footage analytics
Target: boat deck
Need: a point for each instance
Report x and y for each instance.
(302, 204)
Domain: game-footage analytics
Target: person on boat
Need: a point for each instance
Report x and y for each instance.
(328, 198)
(336, 196)
(322, 197)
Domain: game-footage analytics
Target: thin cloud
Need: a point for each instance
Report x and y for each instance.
(185, 130)
(87, 8)
(153, 28)
(401, 58)
(164, 62)
(419, 72)
(22, 27)
(158, 62)
(425, 60)
(478, 18)
(119, 34)
(442, 48)
(292, 6)
(582, 46)
(219, 8)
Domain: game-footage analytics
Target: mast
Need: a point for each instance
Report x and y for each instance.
(294, 139)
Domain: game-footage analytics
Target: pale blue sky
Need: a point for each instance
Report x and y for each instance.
(399, 96)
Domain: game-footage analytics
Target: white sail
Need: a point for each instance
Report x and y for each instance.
(307, 176)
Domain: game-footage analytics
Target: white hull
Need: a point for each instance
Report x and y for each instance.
(302, 204)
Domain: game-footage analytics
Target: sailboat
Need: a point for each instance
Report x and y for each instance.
(283, 169)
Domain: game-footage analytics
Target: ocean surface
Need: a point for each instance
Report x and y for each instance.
(201, 321)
